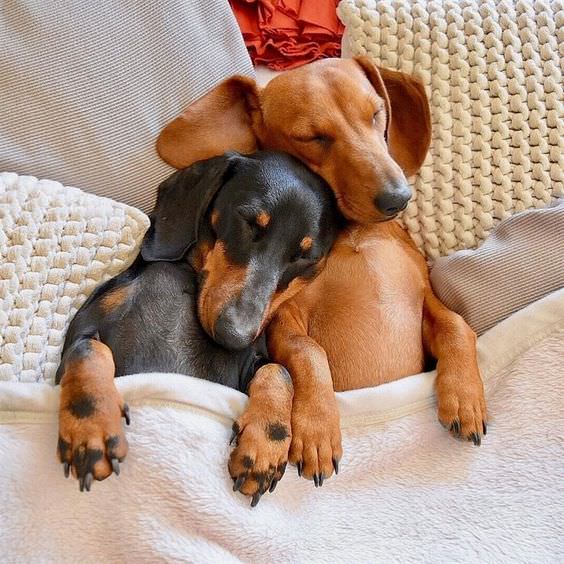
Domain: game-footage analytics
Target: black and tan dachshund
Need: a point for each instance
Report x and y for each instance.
(231, 239)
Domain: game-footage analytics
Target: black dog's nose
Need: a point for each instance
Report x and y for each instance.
(231, 337)
(393, 199)
(234, 330)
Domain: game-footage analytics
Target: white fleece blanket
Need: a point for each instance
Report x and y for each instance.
(406, 491)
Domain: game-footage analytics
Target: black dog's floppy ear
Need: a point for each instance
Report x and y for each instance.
(182, 201)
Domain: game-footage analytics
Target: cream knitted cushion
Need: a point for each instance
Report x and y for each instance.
(56, 245)
(493, 75)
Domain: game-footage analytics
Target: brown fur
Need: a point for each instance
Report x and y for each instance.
(263, 219)
(316, 429)
(89, 378)
(353, 281)
(371, 315)
(263, 432)
(214, 218)
(288, 293)
(112, 300)
(229, 115)
(287, 114)
(306, 243)
(224, 282)
(460, 392)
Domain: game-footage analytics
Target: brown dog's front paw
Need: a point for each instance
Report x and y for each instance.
(316, 440)
(259, 459)
(462, 407)
(91, 439)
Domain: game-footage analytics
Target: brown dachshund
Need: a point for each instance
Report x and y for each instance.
(371, 315)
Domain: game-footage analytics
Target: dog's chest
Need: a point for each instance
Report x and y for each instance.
(368, 315)
(376, 267)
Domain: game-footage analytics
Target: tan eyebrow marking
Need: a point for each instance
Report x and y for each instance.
(114, 299)
(306, 243)
(263, 219)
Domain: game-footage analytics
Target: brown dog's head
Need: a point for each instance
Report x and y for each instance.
(361, 128)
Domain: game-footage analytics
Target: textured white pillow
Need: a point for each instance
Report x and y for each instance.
(86, 87)
(56, 245)
(492, 71)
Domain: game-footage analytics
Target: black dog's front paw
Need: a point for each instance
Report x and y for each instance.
(91, 439)
(259, 459)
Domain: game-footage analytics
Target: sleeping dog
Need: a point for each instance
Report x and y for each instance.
(231, 239)
(371, 316)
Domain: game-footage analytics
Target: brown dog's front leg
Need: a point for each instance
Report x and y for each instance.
(460, 392)
(262, 433)
(91, 439)
(316, 433)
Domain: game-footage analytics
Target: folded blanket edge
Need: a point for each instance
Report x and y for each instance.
(497, 349)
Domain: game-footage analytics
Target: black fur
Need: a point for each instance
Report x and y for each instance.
(157, 327)
(277, 432)
(82, 406)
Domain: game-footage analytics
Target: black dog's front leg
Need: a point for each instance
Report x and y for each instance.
(91, 440)
(263, 433)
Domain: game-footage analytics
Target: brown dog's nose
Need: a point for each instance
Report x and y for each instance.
(393, 199)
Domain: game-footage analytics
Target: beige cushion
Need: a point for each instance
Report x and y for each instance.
(56, 245)
(493, 74)
(520, 262)
(86, 86)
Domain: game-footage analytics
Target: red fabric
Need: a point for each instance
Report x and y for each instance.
(283, 34)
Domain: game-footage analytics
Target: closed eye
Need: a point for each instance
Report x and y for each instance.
(257, 232)
(319, 139)
(249, 220)
(377, 114)
(305, 258)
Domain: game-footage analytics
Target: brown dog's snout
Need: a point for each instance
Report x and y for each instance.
(393, 198)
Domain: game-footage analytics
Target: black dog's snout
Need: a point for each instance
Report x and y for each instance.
(393, 199)
(235, 328)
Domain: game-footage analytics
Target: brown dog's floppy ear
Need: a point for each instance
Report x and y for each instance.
(409, 119)
(219, 121)
(182, 202)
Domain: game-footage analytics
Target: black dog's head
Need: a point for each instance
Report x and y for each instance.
(255, 227)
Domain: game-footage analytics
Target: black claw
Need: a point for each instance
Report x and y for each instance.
(475, 438)
(300, 466)
(235, 432)
(256, 499)
(81, 484)
(484, 428)
(316, 480)
(321, 478)
(126, 414)
(281, 469)
(455, 427)
(239, 483)
(263, 488)
(115, 466)
(88, 481)
(66, 469)
(273, 485)
(336, 465)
